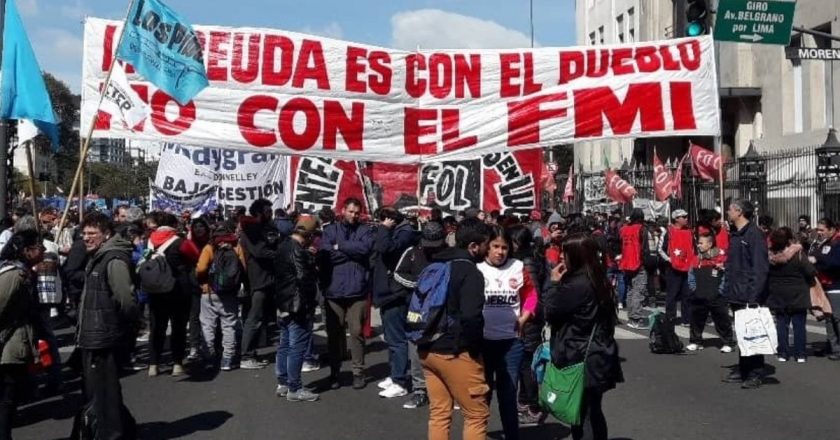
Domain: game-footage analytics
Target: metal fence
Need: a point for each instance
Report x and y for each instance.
(782, 184)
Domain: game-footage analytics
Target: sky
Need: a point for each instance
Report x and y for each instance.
(55, 26)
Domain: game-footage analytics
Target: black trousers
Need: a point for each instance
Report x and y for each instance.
(195, 323)
(749, 366)
(102, 388)
(700, 311)
(254, 318)
(13, 379)
(165, 308)
(593, 423)
(529, 391)
(677, 291)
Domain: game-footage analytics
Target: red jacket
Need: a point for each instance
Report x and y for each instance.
(631, 247)
(680, 248)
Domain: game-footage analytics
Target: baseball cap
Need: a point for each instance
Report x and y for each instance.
(679, 213)
(433, 235)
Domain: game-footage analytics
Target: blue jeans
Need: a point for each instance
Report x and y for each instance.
(393, 326)
(502, 361)
(294, 335)
(783, 322)
(620, 283)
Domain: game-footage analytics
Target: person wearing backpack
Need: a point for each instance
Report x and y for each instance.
(451, 354)
(169, 257)
(220, 273)
(18, 322)
(510, 301)
(107, 312)
(580, 307)
(295, 297)
(705, 280)
(412, 263)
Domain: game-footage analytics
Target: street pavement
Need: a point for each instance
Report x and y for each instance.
(674, 397)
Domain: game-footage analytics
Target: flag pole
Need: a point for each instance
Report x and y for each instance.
(86, 146)
(31, 169)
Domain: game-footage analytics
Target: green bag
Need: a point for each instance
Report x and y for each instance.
(561, 392)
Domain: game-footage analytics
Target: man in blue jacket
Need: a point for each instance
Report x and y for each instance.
(746, 270)
(393, 236)
(346, 248)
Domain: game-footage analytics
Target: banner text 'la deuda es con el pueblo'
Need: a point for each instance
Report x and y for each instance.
(298, 94)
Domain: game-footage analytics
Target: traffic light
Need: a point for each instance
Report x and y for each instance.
(696, 13)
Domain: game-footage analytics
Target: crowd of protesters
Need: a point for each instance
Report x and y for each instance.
(516, 281)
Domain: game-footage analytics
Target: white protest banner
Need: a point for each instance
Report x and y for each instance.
(290, 93)
(121, 102)
(237, 178)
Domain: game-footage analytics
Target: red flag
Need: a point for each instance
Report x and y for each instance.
(704, 163)
(569, 191)
(663, 185)
(677, 179)
(547, 177)
(618, 189)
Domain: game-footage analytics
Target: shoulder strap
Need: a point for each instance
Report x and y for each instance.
(589, 343)
(165, 245)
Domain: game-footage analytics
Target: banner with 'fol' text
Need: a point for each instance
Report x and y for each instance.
(288, 93)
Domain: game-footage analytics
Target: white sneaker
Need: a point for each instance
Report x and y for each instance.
(726, 349)
(385, 384)
(801, 360)
(693, 347)
(393, 391)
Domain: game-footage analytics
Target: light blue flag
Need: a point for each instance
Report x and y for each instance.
(164, 49)
(23, 94)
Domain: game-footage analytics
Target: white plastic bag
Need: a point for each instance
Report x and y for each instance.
(756, 331)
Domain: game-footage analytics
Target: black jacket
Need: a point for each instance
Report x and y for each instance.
(539, 272)
(296, 279)
(388, 246)
(789, 283)
(746, 266)
(73, 270)
(259, 242)
(108, 309)
(465, 304)
(571, 309)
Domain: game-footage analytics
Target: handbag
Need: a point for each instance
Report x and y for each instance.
(561, 391)
(755, 331)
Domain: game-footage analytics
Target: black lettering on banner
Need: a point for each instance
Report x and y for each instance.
(451, 186)
(317, 183)
(517, 191)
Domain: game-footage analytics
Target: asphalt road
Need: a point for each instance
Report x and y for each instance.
(664, 397)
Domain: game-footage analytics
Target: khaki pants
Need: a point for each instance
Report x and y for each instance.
(460, 379)
(350, 313)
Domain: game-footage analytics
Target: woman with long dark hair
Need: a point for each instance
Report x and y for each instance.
(789, 284)
(21, 321)
(510, 300)
(580, 303)
(530, 252)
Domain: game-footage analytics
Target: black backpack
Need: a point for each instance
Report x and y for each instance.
(225, 271)
(663, 338)
(154, 271)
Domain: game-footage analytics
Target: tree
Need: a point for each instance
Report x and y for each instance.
(66, 105)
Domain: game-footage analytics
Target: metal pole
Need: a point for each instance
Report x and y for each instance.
(532, 23)
(32, 194)
(4, 139)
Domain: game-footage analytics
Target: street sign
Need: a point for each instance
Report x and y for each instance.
(744, 21)
(812, 53)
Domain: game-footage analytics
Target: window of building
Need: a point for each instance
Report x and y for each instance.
(619, 27)
(600, 35)
(631, 25)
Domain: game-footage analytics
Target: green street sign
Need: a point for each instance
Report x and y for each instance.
(759, 21)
